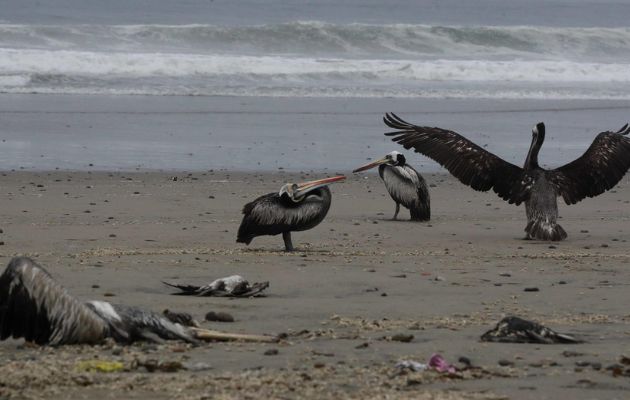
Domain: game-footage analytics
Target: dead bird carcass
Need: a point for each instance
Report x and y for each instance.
(35, 307)
(231, 286)
(517, 330)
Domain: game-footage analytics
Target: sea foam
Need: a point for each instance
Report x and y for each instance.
(317, 59)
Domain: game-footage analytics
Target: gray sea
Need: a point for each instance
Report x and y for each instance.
(301, 85)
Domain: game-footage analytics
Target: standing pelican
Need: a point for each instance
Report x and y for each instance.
(404, 184)
(35, 307)
(296, 207)
(600, 168)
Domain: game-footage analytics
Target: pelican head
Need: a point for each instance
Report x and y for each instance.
(538, 137)
(538, 132)
(394, 158)
(297, 191)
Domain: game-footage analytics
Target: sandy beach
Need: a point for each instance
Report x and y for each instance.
(356, 281)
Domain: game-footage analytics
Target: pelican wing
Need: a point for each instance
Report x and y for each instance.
(468, 162)
(600, 168)
(405, 185)
(35, 307)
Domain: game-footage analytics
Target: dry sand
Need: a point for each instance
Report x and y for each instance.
(357, 280)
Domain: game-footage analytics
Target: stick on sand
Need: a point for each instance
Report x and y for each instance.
(211, 336)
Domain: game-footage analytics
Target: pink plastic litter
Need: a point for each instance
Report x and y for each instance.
(439, 364)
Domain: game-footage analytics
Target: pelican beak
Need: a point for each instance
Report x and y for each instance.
(306, 187)
(372, 164)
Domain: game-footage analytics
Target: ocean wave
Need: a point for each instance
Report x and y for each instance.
(326, 39)
(36, 63)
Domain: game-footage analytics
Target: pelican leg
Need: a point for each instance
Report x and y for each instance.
(396, 213)
(288, 246)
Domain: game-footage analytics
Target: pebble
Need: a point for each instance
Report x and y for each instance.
(271, 352)
(506, 363)
(219, 317)
(402, 337)
(531, 289)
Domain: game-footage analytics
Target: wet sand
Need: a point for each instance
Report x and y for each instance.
(198, 133)
(357, 280)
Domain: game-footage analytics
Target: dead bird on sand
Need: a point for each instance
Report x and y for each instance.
(35, 307)
(231, 286)
(518, 330)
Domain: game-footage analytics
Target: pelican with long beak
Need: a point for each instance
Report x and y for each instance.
(404, 184)
(296, 207)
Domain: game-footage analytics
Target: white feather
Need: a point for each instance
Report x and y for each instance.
(105, 309)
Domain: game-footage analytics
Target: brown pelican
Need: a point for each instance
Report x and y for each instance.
(231, 286)
(296, 207)
(35, 307)
(518, 330)
(600, 168)
(404, 184)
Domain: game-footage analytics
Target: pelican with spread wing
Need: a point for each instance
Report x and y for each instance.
(599, 169)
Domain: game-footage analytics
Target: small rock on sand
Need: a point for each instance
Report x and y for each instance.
(219, 317)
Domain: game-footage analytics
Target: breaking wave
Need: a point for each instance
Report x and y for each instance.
(316, 59)
(318, 38)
